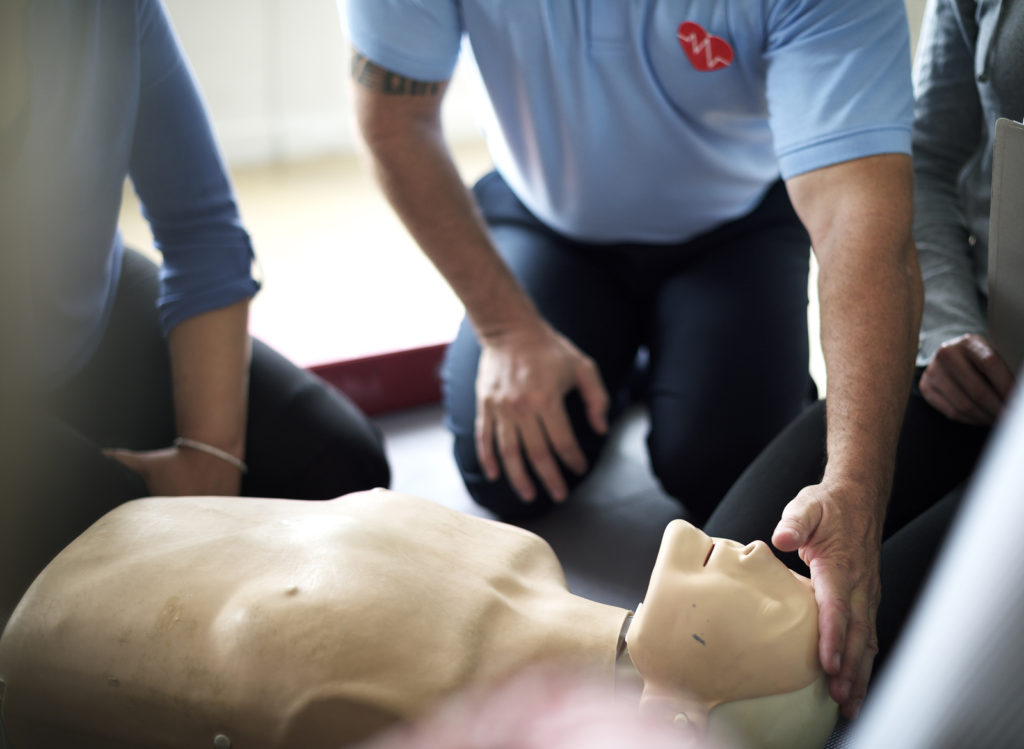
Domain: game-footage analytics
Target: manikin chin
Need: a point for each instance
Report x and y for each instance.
(266, 623)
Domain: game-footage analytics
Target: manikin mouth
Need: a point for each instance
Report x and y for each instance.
(708, 557)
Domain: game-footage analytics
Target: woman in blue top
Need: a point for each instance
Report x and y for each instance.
(110, 351)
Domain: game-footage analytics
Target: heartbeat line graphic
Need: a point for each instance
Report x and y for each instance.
(706, 51)
(698, 46)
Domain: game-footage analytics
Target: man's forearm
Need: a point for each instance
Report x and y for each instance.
(414, 167)
(858, 214)
(870, 313)
(210, 369)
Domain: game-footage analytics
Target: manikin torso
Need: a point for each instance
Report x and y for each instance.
(276, 623)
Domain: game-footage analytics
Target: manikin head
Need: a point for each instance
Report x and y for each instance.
(726, 642)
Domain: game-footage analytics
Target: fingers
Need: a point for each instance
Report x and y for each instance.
(512, 459)
(946, 395)
(522, 423)
(833, 618)
(847, 642)
(800, 519)
(988, 361)
(538, 452)
(484, 437)
(595, 397)
(170, 471)
(967, 381)
(858, 662)
(558, 430)
(934, 392)
(544, 439)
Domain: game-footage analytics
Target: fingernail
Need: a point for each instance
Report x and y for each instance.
(837, 663)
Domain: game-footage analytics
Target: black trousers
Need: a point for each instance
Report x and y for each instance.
(304, 439)
(723, 317)
(935, 456)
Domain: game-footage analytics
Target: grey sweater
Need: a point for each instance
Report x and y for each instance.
(969, 71)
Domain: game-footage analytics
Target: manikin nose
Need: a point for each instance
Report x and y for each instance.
(756, 549)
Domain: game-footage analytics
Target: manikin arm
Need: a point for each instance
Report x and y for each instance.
(526, 368)
(858, 215)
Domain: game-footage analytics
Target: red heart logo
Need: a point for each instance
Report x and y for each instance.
(705, 51)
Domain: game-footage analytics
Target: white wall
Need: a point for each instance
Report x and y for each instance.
(274, 74)
(915, 10)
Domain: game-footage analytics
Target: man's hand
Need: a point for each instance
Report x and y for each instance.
(841, 544)
(173, 471)
(521, 385)
(967, 381)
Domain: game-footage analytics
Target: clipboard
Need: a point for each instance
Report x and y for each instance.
(1006, 244)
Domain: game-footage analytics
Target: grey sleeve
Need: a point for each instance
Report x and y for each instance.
(947, 132)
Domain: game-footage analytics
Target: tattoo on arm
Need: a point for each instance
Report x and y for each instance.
(376, 78)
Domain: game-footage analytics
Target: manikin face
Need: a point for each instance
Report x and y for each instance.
(721, 622)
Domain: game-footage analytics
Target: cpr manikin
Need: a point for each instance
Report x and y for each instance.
(263, 623)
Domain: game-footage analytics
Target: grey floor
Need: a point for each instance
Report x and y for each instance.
(607, 555)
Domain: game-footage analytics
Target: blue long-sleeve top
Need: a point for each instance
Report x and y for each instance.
(110, 96)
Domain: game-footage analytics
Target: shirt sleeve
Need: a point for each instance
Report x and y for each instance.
(837, 81)
(947, 131)
(183, 185)
(419, 39)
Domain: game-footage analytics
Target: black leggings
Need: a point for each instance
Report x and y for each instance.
(723, 316)
(934, 458)
(304, 439)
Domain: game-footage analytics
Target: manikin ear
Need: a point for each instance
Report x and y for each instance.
(671, 706)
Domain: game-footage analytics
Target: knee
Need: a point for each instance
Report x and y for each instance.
(342, 464)
(497, 496)
(320, 447)
(368, 462)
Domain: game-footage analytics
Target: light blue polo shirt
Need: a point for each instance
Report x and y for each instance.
(657, 120)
